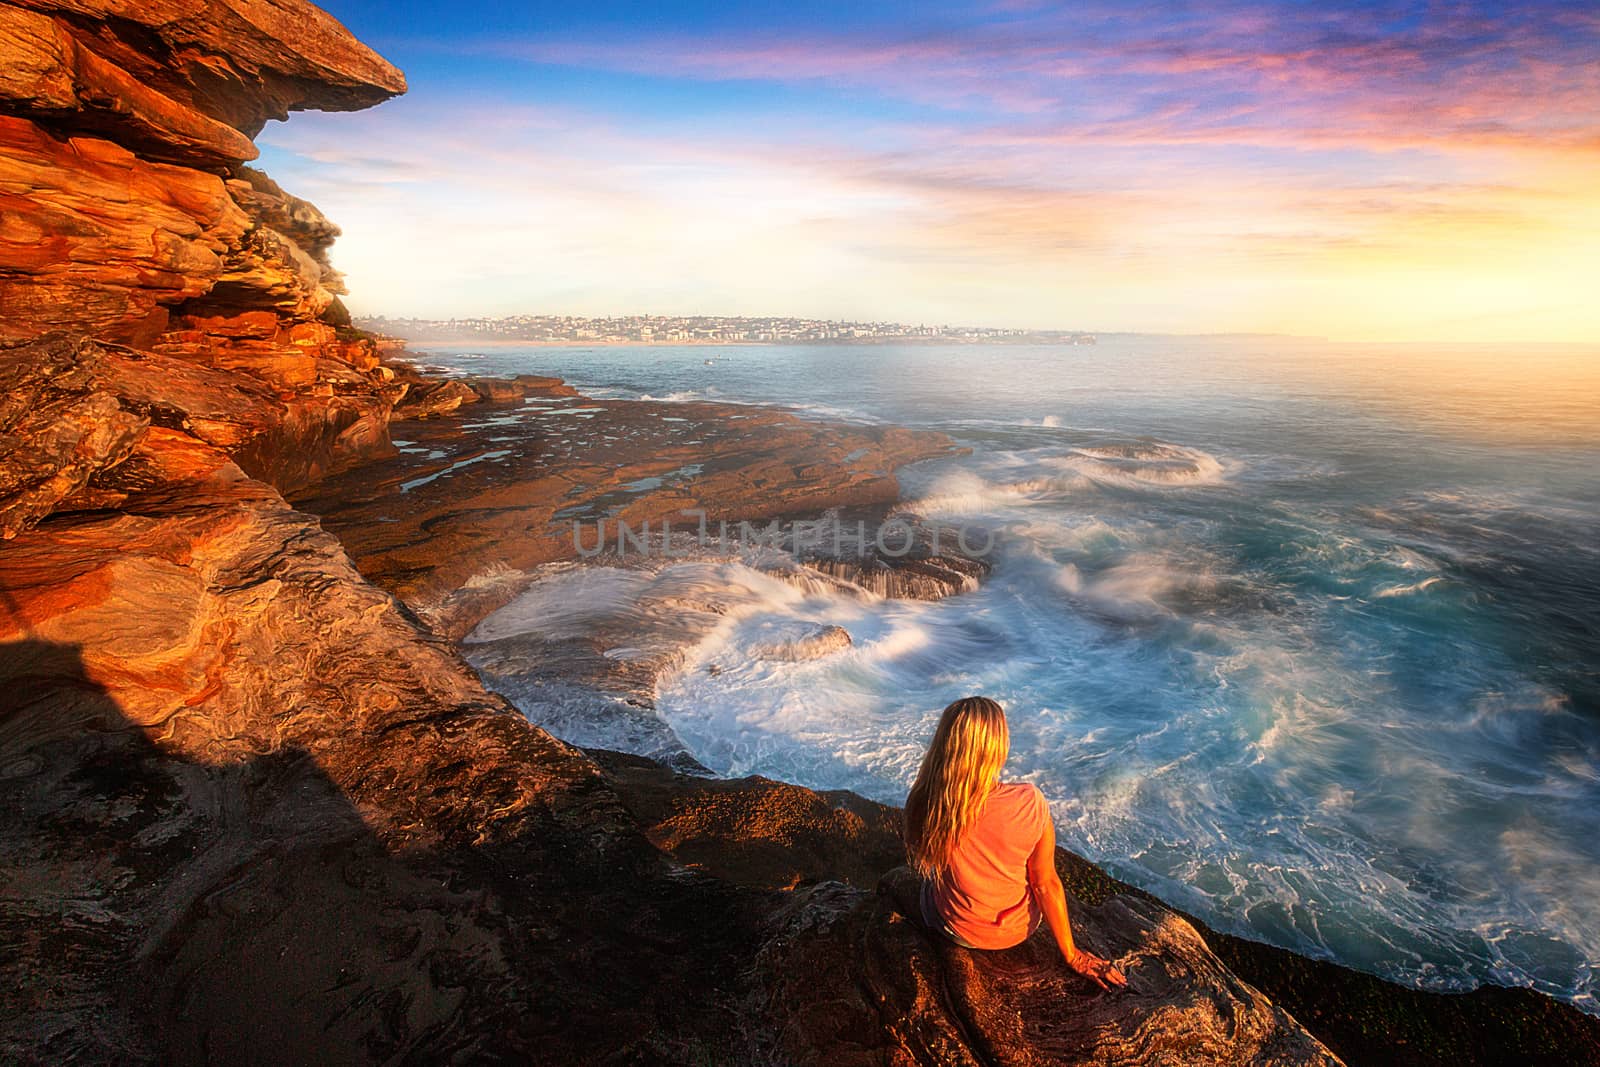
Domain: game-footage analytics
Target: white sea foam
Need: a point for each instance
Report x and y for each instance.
(679, 396)
(900, 642)
(1144, 465)
(1410, 559)
(1141, 586)
(567, 603)
(963, 493)
(1013, 480)
(1408, 589)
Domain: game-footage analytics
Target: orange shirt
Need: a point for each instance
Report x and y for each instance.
(983, 896)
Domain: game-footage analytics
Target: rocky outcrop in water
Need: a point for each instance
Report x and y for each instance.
(427, 399)
(802, 643)
(901, 556)
(479, 489)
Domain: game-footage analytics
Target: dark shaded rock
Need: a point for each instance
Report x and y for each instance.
(849, 978)
(336, 314)
(755, 831)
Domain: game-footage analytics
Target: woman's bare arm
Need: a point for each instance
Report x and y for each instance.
(1045, 884)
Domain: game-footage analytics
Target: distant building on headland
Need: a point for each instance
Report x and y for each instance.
(703, 329)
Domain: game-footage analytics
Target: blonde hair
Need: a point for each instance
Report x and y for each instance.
(961, 768)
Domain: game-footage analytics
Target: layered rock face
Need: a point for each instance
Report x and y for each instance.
(75, 411)
(258, 815)
(126, 212)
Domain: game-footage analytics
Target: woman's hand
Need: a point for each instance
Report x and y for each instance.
(1045, 884)
(1097, 970)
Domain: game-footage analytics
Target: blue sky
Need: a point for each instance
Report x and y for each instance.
(1383, 171)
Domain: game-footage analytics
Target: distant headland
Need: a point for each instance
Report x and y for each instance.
(704, 330)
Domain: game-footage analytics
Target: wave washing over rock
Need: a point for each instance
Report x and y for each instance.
(583, 648)
(260, 813)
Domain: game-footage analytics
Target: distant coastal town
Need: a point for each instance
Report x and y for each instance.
(702, 329)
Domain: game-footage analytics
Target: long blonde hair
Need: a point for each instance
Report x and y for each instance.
(961, 768)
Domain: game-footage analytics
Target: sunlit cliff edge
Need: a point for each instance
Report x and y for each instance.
(258, 812)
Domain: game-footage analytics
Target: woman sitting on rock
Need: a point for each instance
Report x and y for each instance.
(986, 850)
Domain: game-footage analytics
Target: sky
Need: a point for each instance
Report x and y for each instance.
(1411, 171)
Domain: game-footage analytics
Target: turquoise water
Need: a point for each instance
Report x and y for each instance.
(1303, 637)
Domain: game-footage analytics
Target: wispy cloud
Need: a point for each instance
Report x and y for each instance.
(1521, 75)
(1130, 166)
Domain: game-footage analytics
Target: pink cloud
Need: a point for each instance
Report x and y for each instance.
(1246, 76)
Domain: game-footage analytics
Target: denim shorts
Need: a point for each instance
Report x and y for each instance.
(935, 922)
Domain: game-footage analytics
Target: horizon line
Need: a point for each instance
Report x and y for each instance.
(1266, 334)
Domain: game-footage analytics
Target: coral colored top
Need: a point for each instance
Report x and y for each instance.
(983, 895)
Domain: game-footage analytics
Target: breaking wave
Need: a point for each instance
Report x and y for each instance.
(1145, 464)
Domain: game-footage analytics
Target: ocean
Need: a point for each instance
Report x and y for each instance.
(1302, 637)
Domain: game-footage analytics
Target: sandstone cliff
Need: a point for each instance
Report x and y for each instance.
(256, 811)
(127, 215)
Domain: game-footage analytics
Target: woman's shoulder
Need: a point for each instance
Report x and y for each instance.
(1023, 796)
